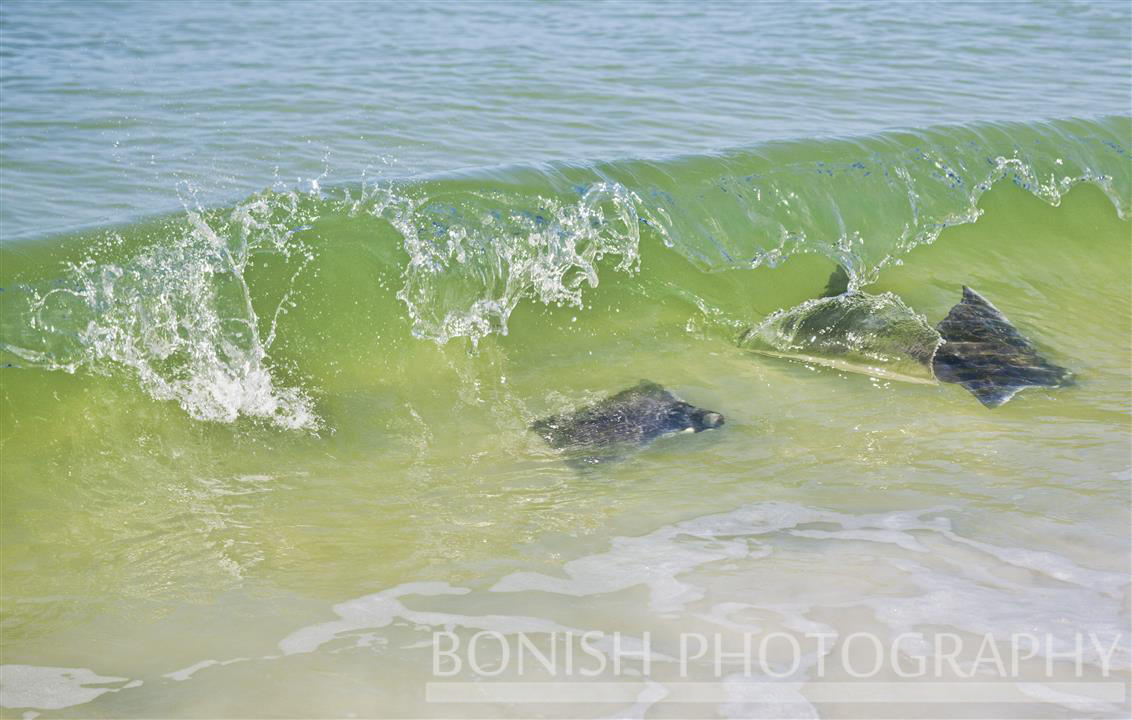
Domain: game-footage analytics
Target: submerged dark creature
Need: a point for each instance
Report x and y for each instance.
(633, 417)
(974, 346)
(984, 353)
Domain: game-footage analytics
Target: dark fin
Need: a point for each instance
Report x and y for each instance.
(990, 395)
(987, 355)
(838, 283)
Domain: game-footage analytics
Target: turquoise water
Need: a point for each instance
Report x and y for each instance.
(118, 112)
(285, 285)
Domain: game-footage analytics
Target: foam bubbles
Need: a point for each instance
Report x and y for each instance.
(54, 688)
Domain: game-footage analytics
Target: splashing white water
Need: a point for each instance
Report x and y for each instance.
(473, 259)
(180, 315)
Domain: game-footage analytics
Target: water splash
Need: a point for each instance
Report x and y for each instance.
(483, 242)
(876, 334)
(474, 256)
(181, 316)
(185, 317)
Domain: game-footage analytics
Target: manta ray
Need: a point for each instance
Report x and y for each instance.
(974, 346)
(633, 417)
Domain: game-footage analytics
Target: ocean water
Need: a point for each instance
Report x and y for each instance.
(284, 286)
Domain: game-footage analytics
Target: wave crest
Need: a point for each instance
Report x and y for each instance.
(181, 315)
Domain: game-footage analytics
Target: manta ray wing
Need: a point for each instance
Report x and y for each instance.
(987, 355)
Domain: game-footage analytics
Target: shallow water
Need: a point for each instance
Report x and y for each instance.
(258, 451)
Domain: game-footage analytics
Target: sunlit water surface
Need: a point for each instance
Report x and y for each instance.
(259, 445)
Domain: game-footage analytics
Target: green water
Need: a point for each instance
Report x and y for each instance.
(271, 345)
(128, 527)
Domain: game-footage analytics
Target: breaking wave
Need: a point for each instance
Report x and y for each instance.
(190, 305)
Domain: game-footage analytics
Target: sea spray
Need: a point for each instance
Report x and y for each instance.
(192, 309)
(180, 315)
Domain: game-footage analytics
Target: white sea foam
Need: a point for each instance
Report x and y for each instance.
(381, 609)
(54, 688)
(943, 583)
(743, 572)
